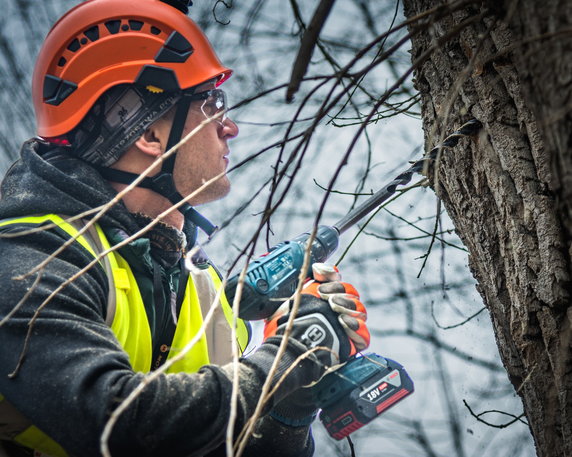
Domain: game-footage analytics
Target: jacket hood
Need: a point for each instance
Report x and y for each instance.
(54, 182)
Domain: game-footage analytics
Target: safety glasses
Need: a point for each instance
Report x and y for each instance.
(214, 102)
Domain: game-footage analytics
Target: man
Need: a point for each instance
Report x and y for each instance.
(117, 84)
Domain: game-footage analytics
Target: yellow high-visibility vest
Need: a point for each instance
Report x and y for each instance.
(128, 320)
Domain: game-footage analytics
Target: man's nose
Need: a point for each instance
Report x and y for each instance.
(229, 128)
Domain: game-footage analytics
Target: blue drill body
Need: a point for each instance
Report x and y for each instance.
(272, 278)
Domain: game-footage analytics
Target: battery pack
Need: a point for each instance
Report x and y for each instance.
(359, 392)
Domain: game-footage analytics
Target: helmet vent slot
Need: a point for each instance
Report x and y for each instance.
(113, 26)
(135, 25)
(92, 33)
(74, 45)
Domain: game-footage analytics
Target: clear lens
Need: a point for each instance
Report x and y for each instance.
(214, 102)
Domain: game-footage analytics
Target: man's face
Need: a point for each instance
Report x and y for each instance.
(205, 155)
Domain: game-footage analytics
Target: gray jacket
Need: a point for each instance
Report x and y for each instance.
(73, 372)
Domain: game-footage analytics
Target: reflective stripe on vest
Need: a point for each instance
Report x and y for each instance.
(130, 324)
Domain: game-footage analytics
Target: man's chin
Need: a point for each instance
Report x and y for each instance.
(225, 189)
(217, 190)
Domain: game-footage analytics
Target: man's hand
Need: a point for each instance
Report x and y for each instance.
(343, 298)
(330, 317)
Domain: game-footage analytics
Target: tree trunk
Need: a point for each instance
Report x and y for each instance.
(509, 192)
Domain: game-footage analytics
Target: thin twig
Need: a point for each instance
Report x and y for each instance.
(23, 299)
(235, 368)
(504, 413)
(449, 327)
(433, 237)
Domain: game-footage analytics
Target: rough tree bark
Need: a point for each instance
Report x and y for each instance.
(509, 193)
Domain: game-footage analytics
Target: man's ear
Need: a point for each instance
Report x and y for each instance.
(151, 142)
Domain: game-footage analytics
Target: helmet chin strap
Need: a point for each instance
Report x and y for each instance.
(163, 183)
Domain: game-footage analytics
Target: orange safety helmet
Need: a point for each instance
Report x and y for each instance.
(103, 43)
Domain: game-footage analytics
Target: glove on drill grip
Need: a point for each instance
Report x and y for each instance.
(330, 315)
(343, 299)
(315, 326)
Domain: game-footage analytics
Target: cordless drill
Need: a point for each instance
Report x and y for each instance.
(365, 386)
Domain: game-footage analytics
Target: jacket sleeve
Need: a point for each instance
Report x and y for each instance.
(74, 373)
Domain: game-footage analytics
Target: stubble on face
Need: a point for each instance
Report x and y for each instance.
(200, 159)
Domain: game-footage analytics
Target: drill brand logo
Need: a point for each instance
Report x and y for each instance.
(314, 335)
